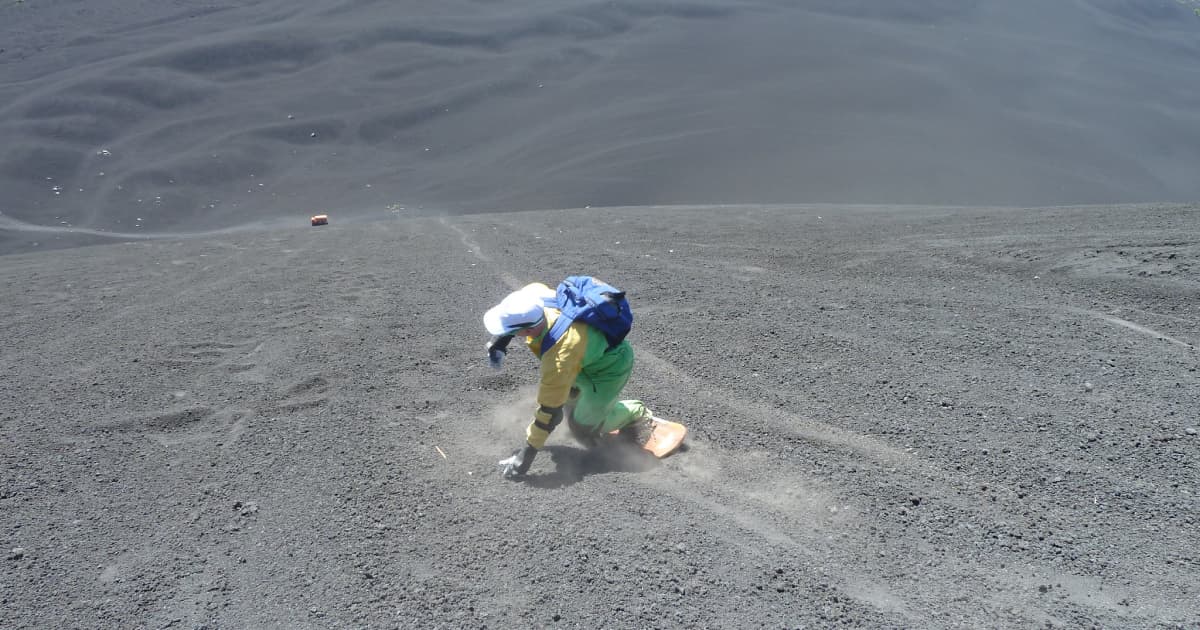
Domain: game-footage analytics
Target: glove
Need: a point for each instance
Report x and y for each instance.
(496, 349)
(496, 358)
(518, 464)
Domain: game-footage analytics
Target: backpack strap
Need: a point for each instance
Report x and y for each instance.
(557, 330)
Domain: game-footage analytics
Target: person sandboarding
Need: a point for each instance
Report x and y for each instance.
(578, 334)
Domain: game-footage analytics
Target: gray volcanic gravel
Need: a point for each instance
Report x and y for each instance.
(900, 417)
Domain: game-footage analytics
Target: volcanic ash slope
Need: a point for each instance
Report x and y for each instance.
(900, 417)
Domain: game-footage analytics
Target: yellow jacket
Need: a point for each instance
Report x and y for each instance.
(561, 365)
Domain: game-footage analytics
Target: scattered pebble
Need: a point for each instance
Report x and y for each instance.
(17, 553)
(1087, 386)
(1190, 431)
(246, 509)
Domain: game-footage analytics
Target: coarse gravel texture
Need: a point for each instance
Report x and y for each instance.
(901, 417)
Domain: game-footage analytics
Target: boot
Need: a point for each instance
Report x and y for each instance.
(584, 435)
(638, 432)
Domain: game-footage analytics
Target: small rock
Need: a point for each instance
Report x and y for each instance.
(17, 553)
(1190, 431)
(1087, 386)
(681, 547)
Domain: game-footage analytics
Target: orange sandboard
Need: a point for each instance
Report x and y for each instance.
(665, 437)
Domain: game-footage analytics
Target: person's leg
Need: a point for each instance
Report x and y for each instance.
(598, 410)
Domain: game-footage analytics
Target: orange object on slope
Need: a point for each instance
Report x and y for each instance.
(665, 437)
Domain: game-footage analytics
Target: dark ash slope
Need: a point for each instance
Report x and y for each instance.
(901, 417)
(142, 116)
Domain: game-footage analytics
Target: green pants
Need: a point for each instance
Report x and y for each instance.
(597, 410)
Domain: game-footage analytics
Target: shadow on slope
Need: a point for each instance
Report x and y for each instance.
(573, 463)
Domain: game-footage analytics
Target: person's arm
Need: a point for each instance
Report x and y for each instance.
(545, 420)
(560, 367)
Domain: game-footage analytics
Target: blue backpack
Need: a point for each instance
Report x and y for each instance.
(596, 303)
